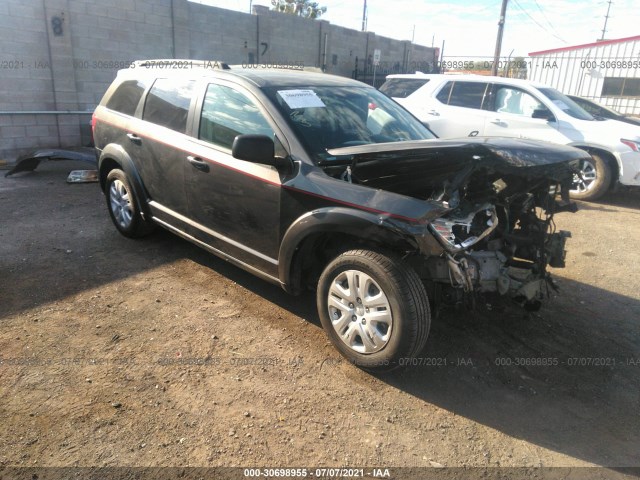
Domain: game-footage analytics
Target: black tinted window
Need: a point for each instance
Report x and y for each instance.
(621, 87)
(443, 95)
(402, 87)
(126, 97)
(168, 103)
(467, 94)
(227, 113)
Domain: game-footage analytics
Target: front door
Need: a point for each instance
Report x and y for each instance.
(511, 115)
(234, 205)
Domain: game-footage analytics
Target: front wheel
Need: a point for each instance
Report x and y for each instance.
(374, 309)
(123, 208)
(594, 178)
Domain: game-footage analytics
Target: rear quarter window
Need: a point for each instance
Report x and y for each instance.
(402, 87)
(168, 103)
(126, 97)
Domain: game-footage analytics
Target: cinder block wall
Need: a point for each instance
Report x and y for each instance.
(59, 56)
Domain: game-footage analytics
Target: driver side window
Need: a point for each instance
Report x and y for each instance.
(515, 101)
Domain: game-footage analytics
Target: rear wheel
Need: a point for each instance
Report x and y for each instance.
(373, 308)
(594, 179)
(123, 209)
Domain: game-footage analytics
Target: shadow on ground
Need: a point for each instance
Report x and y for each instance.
(565, 379)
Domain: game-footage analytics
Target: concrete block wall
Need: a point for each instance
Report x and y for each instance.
(61, 55)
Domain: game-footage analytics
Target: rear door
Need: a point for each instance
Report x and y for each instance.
(158, 139)
(234, 205)
(458, 109)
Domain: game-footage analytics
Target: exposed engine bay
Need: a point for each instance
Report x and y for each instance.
(502, 247)
(497, 204)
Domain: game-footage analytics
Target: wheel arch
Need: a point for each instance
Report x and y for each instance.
(316, 237)
(612, 160)
(114, 156)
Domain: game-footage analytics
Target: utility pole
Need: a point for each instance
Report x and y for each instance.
(364, 17)
(496, 55)
(606, 19)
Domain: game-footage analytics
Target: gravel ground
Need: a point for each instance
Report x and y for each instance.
(118, 352)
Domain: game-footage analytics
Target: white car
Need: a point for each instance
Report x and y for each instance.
(456, 106)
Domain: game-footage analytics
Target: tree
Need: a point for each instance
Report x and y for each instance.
(302, 8)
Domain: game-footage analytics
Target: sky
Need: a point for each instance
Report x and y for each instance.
(469, 28)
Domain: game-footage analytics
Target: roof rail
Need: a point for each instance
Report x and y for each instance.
(169, 63)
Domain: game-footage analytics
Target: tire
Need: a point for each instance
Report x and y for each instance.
(402, 309)
(123, 208)
(596, 173)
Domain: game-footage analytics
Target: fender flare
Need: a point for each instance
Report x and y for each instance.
(338, 220)
(119, 155)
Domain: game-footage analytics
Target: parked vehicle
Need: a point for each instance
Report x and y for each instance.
(460, 105)
(600, 112)
(312, 181)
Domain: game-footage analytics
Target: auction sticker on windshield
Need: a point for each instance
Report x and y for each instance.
(301, 98)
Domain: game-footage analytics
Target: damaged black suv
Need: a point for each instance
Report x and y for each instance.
(312, 181)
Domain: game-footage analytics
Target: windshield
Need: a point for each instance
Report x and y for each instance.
(332, 117)
(565, 104)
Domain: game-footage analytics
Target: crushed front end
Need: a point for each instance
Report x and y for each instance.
(499, 244)
(497, 235)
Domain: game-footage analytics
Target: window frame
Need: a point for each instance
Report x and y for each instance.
(453, 82)
(198, 105)
(189, 121)
(492, 98)
(414, 80)
(622, 93)
(146, 84)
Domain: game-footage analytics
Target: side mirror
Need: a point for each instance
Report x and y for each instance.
(544, 114)
(253, 148)
(259, 149)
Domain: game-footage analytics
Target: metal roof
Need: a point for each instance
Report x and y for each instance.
(586, 45)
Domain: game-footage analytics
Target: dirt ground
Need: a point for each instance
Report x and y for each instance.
(118, 352)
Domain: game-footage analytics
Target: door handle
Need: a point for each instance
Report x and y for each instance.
(198, 163)
(134, 138)
(497, 121)
(434, 113)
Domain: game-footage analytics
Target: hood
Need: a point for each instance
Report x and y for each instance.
(410, 167)
(606, 132)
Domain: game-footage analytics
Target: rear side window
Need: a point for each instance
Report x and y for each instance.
(466, 94)
(443, 95)
(168, 103)
(227, 113)
(402, 87)
(126, 97)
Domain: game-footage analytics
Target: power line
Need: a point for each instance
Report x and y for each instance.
(545, 16)
(537, 23)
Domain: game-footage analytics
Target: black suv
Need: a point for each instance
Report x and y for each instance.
(313, 181)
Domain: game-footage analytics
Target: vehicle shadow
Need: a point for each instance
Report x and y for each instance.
(564, 378)
(625, 197)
